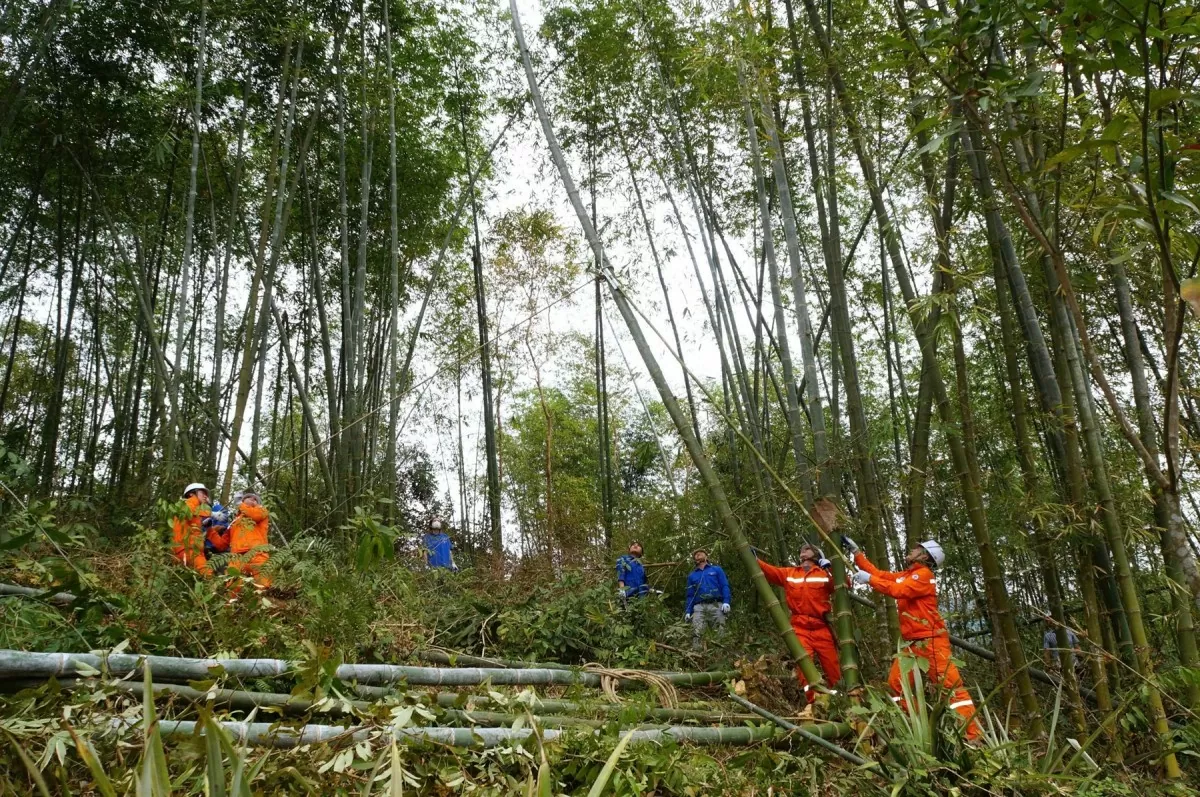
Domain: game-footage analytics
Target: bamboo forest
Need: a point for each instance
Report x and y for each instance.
(635, 397)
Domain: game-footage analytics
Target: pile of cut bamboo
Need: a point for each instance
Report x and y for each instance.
(467, 720)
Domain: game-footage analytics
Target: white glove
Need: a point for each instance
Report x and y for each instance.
(725, 608)
(687, 617)
(620, 592)
(849, 545)
(824, 564)
(862, 577)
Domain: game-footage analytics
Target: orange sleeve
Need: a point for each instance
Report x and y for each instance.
(775, 575)
(864, 563)
(255, 513)
(903, 587)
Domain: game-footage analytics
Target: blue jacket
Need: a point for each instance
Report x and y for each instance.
(437, 551)
(707, 586)
(631, 572)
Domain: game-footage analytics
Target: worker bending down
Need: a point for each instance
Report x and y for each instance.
(921, 625)
(187, 534)
(808, 589)
(248, 541)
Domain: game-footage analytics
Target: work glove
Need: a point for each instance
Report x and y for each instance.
(849, 545)
(620, 592)
(825, 564)
(862, 577)
(687, 617)
(725, 608)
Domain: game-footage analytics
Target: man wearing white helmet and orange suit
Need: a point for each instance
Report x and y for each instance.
(921, 625)
(187, 533)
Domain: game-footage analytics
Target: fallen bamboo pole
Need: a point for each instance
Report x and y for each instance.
(452, 659)
(274, 735)
(231, 698)
(57, 598)
(289, 704)
(547, 706)
(807, 734)
(16, 663)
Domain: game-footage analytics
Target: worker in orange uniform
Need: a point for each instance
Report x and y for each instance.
(187, 534)
(808, 589)
(921, 625)
(247, 541)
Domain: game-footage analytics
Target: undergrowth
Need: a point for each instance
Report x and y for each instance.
(342, 602)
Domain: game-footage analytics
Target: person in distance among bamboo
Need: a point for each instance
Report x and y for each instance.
(248, 542)
(708, 597)
(808, 589)
(921, 625)
(438, 547)
(187, 531)
(631, 576)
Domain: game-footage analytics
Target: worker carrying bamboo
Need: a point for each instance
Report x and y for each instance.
(809, 589)
(708, 596)
(187, 534)
(631, 576)
(438, 547)
(921, 626)
(248, 542)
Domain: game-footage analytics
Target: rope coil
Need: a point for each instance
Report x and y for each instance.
(610, 680)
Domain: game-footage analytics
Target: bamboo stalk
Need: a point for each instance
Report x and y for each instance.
(273, 735)
(15, 663)
(550, 706)
(711, 481)
(58, 598)
(466, 660)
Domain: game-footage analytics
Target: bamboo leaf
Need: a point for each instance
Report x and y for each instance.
(609, 766)
(396, 787)
(88, 755)
(215, 764)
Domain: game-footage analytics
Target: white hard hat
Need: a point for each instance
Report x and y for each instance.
(193, 487)
(934, 550)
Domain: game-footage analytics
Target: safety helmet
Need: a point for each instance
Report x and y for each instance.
(935, 551)
(193, 487)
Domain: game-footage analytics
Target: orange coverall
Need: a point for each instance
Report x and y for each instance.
(924, 633)
(808, 595)
(247, 532)
(187, 538)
